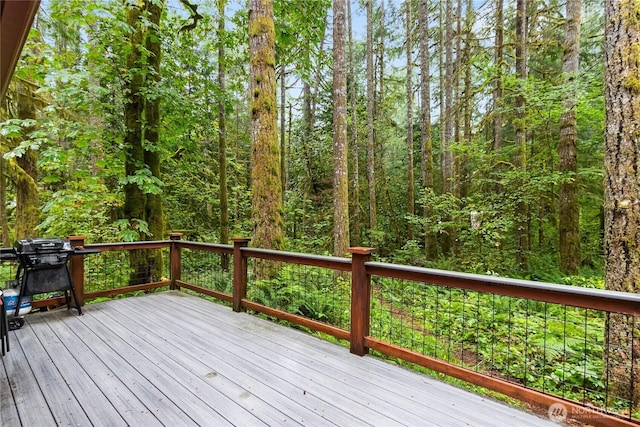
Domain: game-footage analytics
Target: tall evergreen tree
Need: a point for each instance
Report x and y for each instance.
(134, 196)
(622, 191)
(266, 186)
(340, 160)
(153, 206)
(426, 145)
(568, 150)
(25, 168)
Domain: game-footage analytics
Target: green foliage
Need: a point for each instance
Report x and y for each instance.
(546, 347)
(315, 293)
(144, 179)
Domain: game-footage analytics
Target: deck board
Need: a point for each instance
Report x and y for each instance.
(173, 359)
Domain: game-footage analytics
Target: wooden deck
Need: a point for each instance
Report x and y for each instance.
(178, 360)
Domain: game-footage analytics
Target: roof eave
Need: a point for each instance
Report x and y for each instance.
(16, 18)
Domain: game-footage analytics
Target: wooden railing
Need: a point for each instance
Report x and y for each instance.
(383, 286)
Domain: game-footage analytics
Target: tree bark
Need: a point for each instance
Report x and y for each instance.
(622, 192)
(409, 85)
(568, 153)
(26, 172)
(340, 159)
(266, 204)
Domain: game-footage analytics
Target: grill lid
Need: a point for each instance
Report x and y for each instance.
(42, 246)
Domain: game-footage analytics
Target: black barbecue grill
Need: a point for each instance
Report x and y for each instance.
(43, 268)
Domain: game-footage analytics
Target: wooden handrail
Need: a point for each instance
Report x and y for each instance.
(596, 299)
(333, 263)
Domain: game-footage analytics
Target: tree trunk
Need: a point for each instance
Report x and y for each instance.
(569, 208)
(340, 159)
(134, 198)
(26, 172)
(446, 118)
(371, 174)
(134, 106)
(426, 145)
(409, 84)
(355, 151)
(522, 223)
(266, 204)
(222, 134)
(153, 209)
(622, 192)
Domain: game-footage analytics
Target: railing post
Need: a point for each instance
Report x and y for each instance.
(360, 299)
(175, 259)
(77, 269)
(239, 272)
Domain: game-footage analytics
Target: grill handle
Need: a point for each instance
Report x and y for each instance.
(8, 256)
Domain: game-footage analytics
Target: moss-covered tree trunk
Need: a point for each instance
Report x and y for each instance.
(134, 197)
(568, 149)
(26, 172)
(622, 192)
(340, 160)
(266, 202)
(446, 86)
(153, 208)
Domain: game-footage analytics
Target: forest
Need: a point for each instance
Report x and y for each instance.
(463, 135)
(489, 137)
